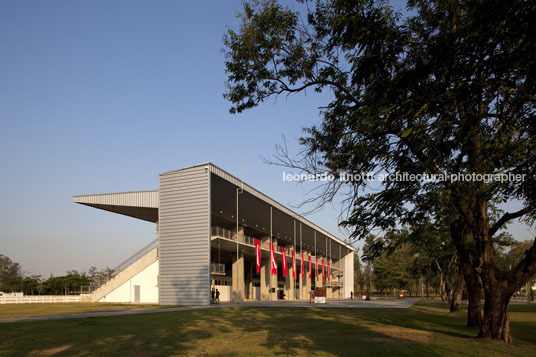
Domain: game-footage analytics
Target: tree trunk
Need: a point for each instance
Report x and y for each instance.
(455, 297)
(496, 320)
(474, 316)
(442, 289)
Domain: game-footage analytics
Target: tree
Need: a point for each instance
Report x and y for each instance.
(9, 271)
(396, 270)
(446, 90)
(31, 285)
(400, 263)
(359, 275)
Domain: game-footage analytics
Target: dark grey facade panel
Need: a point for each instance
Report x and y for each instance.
(284, 229)
(308, 237)
(252, 211)
(184, 237)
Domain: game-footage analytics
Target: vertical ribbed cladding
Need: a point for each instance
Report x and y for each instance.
(147, 199)
(184, 232)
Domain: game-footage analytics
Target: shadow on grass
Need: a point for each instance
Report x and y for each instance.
(424, 329)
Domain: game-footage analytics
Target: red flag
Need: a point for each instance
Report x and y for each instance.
(302, 264)
(323, 274)
(329, 272)
(284, 261)
(293, 264)
(310, 267)
(316, 267)
(258, 254)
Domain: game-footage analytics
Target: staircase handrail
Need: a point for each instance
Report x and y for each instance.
(126, 263)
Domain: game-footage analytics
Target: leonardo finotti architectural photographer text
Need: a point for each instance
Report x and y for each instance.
(405, 176)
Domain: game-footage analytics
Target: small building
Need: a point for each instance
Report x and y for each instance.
(207, 223)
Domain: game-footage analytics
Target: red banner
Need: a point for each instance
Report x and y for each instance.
(310, 264)
(284, 261)
(258, 254)
(293, 264)
(329, 272)
(273, 264)
(316, 267)
(302, 264)
(323, 273)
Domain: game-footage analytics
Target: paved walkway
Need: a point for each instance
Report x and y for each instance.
(380, 303)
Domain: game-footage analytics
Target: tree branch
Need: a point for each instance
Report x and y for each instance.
(505, 218)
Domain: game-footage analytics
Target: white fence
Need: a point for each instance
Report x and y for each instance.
(40, 299)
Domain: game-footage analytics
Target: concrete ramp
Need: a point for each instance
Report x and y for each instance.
(124, 275)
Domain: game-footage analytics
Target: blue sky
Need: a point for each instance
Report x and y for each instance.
(101, 96)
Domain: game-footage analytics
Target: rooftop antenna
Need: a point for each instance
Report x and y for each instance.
(242, 187)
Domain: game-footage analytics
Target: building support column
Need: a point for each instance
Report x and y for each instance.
(238, 287)
(275, 286)
(329, 292)
(307, 292)
(265, 271)
(319, 282)
(302, 280)
(289, 280)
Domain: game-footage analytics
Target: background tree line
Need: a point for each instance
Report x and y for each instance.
(421, 269)
(12, 279)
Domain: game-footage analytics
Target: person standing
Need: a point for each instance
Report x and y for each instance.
(351, 295)
(217, 296)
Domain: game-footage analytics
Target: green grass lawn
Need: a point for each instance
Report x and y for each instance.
(425, 329)
(25, 310)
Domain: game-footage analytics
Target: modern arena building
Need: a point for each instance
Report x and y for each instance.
(215, 232)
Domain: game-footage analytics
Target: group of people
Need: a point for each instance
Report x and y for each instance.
(215, 296)
(364, 293)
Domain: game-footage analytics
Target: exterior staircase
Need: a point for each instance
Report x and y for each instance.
(125, 271)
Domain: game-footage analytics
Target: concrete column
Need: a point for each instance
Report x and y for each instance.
(319, 282)
(307, 290)
(238, 287)
(302, 280)
(265, 271)
(348, 274)
(240, 233)
(329, 291)
(289, 280)
(274, 277)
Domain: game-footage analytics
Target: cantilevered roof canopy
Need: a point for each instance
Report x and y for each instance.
(141, 204)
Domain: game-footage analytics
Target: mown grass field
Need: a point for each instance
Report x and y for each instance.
(425, 329)
(25, 310)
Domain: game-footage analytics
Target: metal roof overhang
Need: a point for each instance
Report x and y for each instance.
(142, 204)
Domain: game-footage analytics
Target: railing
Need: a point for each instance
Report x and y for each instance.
(336, 283)
(223, 232)
(39, 299)
(228, 234)
(125, 264)
(249, 240)
(136, 256)
(217, 268)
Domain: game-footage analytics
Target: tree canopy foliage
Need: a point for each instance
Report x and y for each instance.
(13, 280)
(447, 89)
